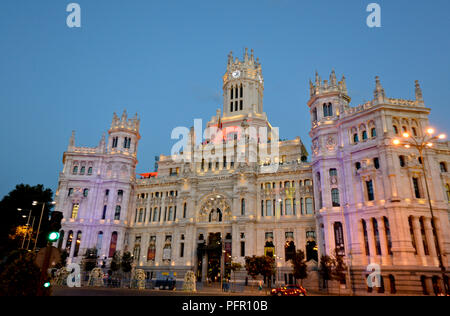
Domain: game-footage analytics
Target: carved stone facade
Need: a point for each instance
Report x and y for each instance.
(207, 208)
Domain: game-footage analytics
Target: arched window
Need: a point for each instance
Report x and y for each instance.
(392, 284)
(155, 214)
(327, 110)
(262, 208)
(70, 192)
(77, 244)
(387, 231)
(242, 92)
(395, 129)
(75, 170)
(117, 213)
(443, 166)
(243, 207)
(231, 92)
(112, 244)
(401, 159)
(69, 241)
(85, 192)
(377, 236)
(89, 170)
(373, 132)
(184, 209)
(366, 238)
(364, 135)
(355, 138)
(104, 212)
(376, 163)
(99, 240)
(414, 130)
(314, 114)
(339, 239)
(335, 197)
(358, 165)
(423, 281)
(82, 170)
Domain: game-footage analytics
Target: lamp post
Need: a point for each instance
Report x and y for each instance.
(422, 143)
(28, 224)
(40, 220)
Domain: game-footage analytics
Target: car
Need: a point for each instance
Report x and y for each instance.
(289, 290)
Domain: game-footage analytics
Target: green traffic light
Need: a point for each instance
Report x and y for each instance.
(53, 236)
(47, 284)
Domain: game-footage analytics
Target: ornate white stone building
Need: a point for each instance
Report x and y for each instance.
(239, 191)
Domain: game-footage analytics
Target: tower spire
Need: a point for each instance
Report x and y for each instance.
(419, 95)
(379, 93)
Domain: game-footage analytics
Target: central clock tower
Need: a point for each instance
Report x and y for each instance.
(243, 90)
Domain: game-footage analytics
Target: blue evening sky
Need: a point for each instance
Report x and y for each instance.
(165, 59)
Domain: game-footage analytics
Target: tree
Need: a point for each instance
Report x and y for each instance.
(325, 270)
(22, 197)
(90, 259)
(251, 265)
(115, 262)
(338, 269)
(299, 266)
(263, 265)
(20, 275)
(127, 260)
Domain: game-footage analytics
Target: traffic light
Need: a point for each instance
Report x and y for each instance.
(46, 284)
(54, 226)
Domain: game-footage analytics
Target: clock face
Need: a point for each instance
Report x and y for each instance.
(236, 74)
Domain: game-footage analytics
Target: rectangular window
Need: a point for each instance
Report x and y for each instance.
(416, 188)
(309, 206)
(370, 192)
(242, 248)
(182, 250)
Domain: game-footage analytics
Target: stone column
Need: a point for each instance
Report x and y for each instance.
(430, 240)
(362, 258)
(418, 240)
(383, 241)
(371, 238)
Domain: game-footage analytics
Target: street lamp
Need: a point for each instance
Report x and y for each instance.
(40, 220)
(28, 224)
(422, 143)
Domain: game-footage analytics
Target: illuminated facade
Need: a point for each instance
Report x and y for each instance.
(240, 191)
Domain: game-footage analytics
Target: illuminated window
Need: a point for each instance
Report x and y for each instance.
(75, 208)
